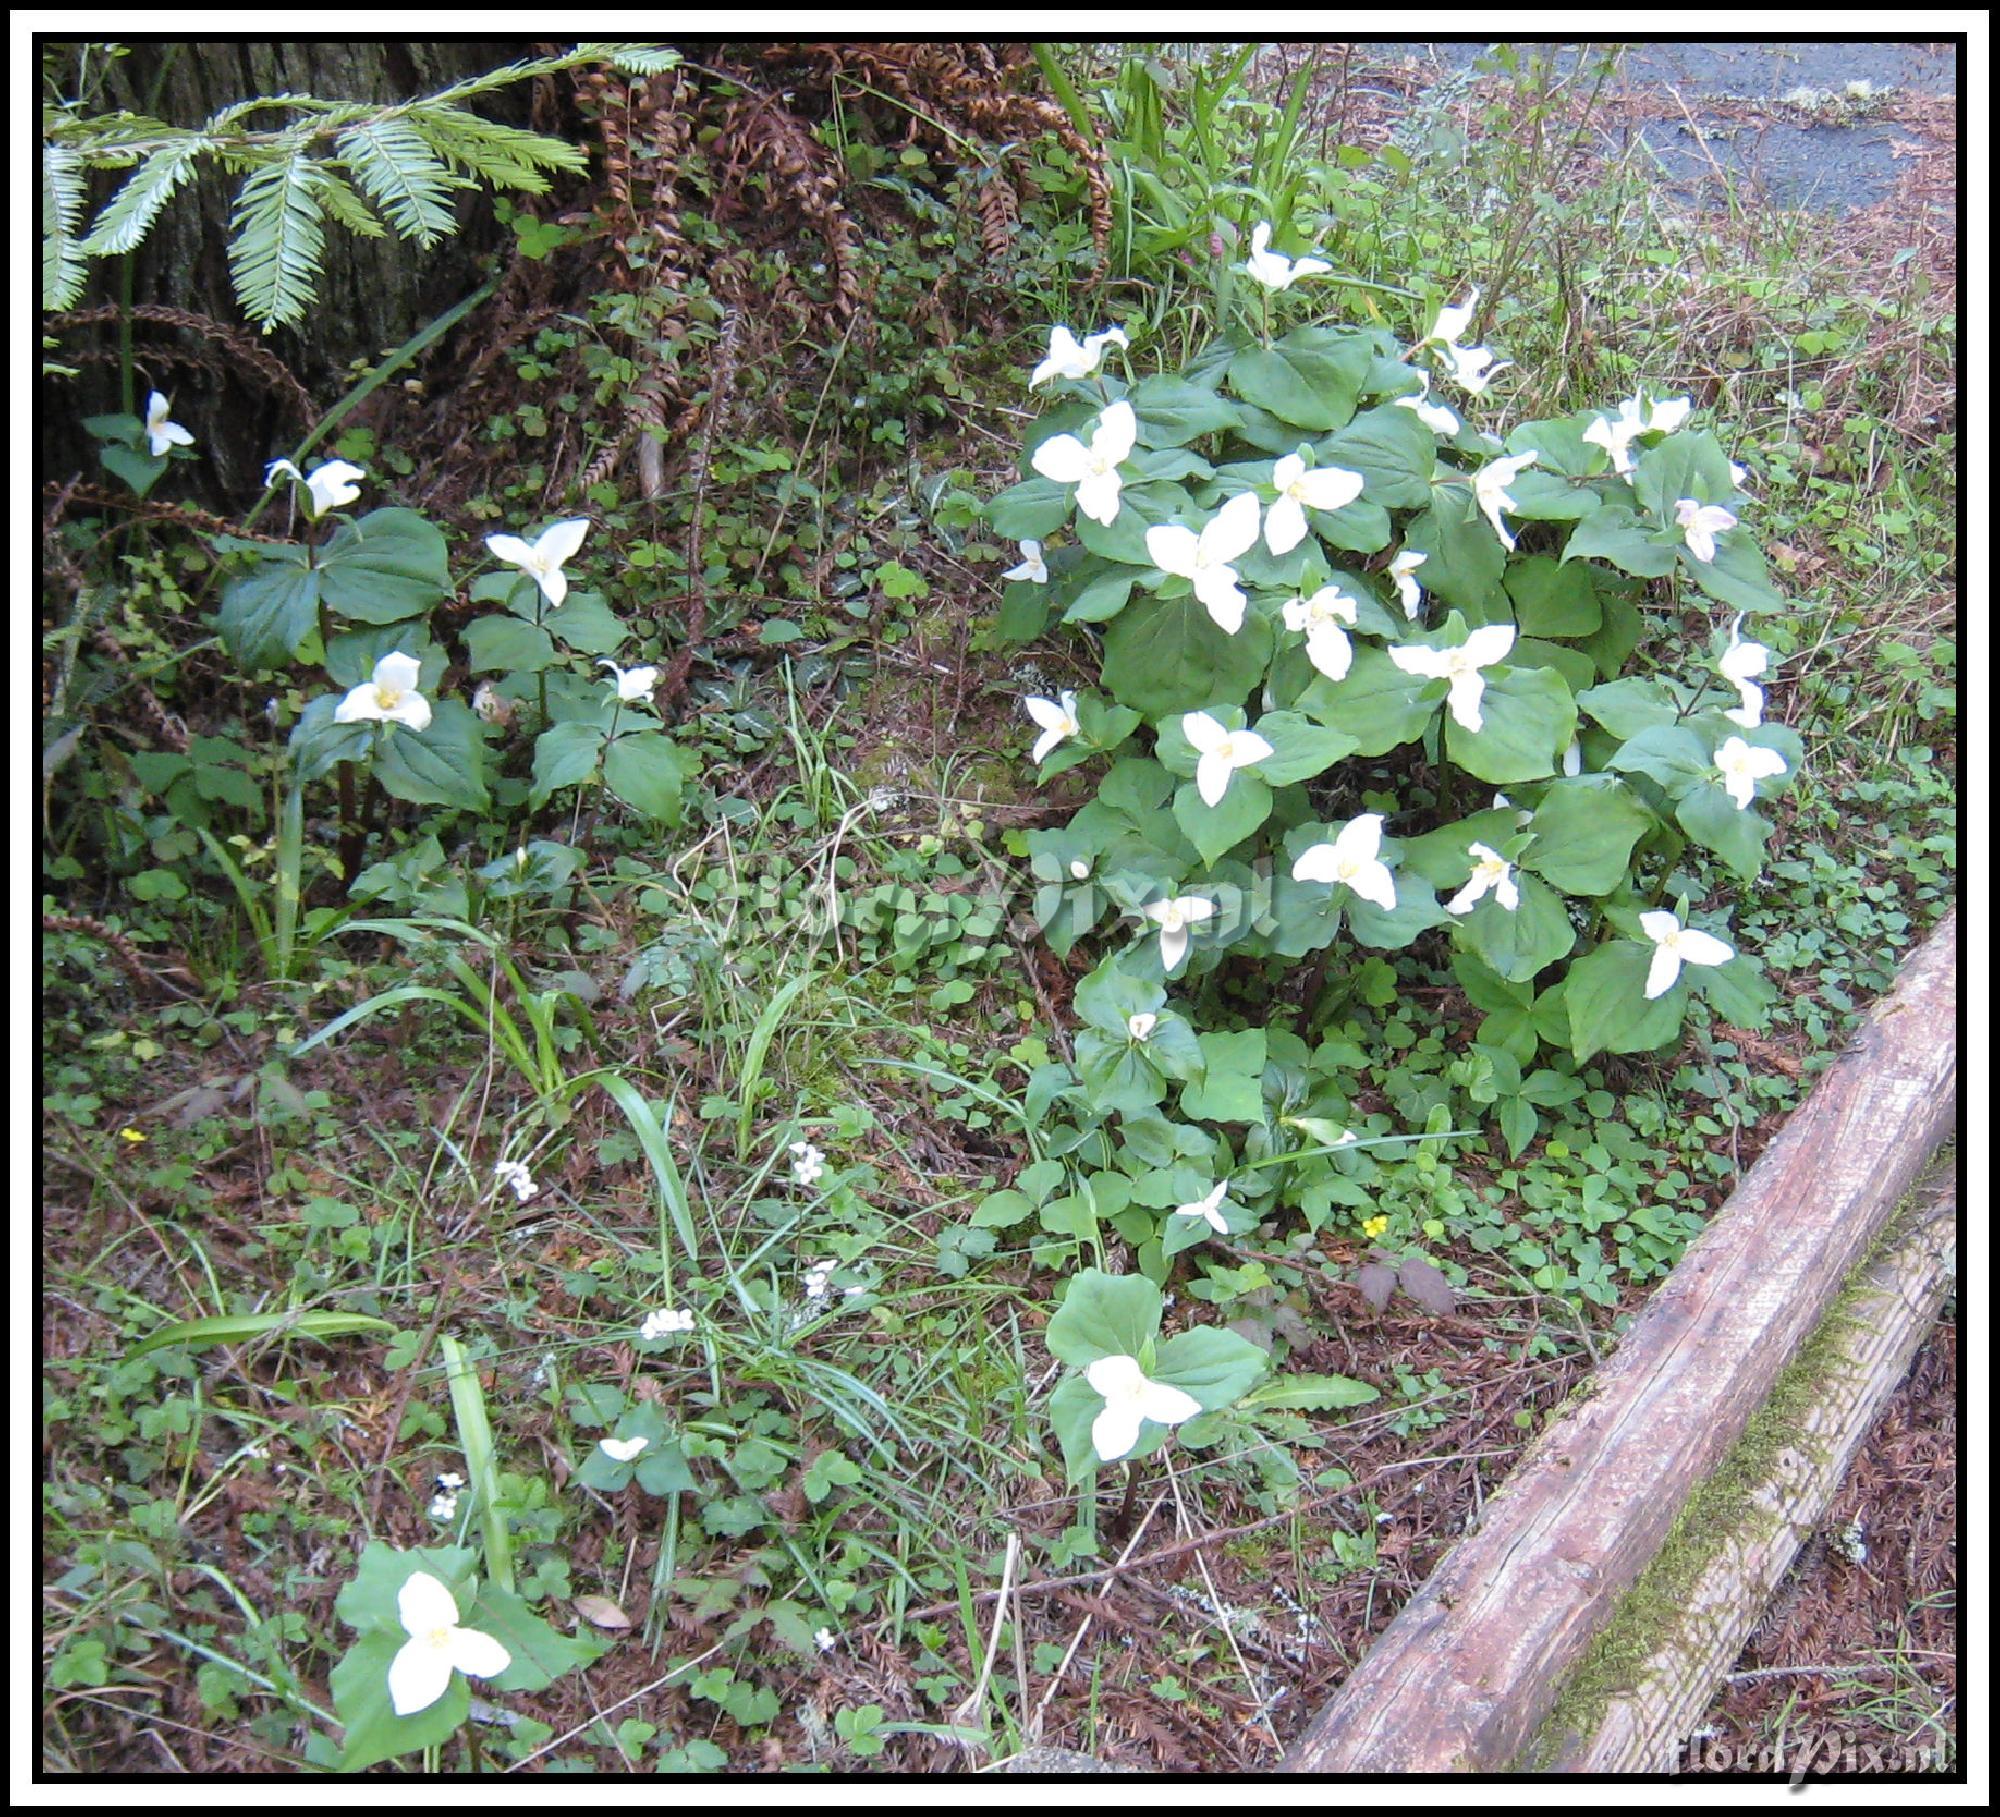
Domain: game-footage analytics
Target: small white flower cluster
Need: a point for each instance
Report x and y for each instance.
(818, 1281)
(807, 1164)
(666, 1323)
(515, 1177)
(444, 1500)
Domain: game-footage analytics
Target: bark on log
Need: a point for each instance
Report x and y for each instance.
(1469, 1670)
(1643, 1730)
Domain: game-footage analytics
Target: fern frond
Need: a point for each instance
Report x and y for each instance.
(275, 239)
(130, 214)
(394, 165)
(348, 208)
(493, 153)
(63, 267)
(636, 59)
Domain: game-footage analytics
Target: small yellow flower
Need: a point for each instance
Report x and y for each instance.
(130, 1134)
(1374, 1227)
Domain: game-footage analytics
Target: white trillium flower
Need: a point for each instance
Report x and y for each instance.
(1321, 618)
(632, 684)
(1572, 763)
(622, 1450)
(807, 1164)
(1092, 467)
(1030, 566)
(1473, 368)
(1616, 434)
(1489, 872)
(1222, 753)
(389, 694)
(421, 1671)
(1460, 667)
(1743, 765)
(1057, 718)
(1205, 559)
(1489, 487)
(1453, 319)
(1301, 488)
(329, 485)
(1140, 1027)
(1272, 269)
(1434, 417)
(543, 559)
(1739, 663)
(666, 1323)
(1353, 857)
(161, 434)
(515, 1177)
(1069, 358)
(1172, 918)
(1675, 946)
(1669, 416)
(1403, 571)
(1702, 524)
(1130, 1399)
(1208, 1208)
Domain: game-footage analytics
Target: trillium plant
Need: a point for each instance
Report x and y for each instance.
(1329, 618)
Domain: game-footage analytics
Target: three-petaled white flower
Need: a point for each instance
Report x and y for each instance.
(1461, 667)
(328, 486)
(421, 1671)
(1489, 487)
(1473, 368)
(1616, 434)
(389, 694)
(1675, 946)
(1222, 753)
(1403, 572)
(622, 1450)
(1739, 663)
(1205, 559)
(515, 1177)
(1030, 566)
(1140, 1026)
(1434, 417)
(666, 1323)
(1701, 525)
(1489, 872)
(161, 434)
(1208, 1208)
(1092, 467)
(632, 684)
(543, 558)
(1743, 766)
(1130, 1399)
(1353, 857)
(1321, 618)
(807, 1165)
(1272, 269)
(1057, 718)
(1172, 918)
(1453, 319)
(1299, 488)
(1069, 358)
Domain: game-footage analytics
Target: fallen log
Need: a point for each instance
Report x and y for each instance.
(1466, 1674)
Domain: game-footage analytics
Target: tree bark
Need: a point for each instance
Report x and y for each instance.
(373, 294)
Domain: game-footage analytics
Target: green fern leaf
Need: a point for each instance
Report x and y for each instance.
(63, 267)
(275, 239)
(128, 217)
(394, 165)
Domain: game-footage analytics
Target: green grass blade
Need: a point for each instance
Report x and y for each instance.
(653, 1140)
(753, 1056)
(241, 1327)
(475, 1438)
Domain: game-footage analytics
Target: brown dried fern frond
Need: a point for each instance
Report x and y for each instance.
(244, 349)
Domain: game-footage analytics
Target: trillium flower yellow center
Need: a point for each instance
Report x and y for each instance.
(1221, 753)
(1489, 872)
(1489, 489)
(632, 684)
(543, 559)
(1272, 269)
(1321, 618)
(1701, 525)
(1353, 859)
(1030, 566)
(1057, 718)
(1302, 488)
(390, 694)
(1460, 667)
(329, 485)
(1092, 467)
(1208, 1209)
(1131, 1399)
(1069, 358)
(1205, 559)
(1173, 918)
(1403, 571)
(1675, 946)
(422, 1669)
(1743, 766)
(1140, 1027)
(160, 433)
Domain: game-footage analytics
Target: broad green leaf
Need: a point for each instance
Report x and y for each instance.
(444, 764)
(564, 755)
(267, 613)
(1735, 835)
(1300, 748)
(1604, 994)
(1737, 576)
(1392, 451)
(1552, 598)
(1517, 943)
(1311, 378)
(373, 1730)
(1417, 911)
(1231, 1088)
(1031, 510)
(1311, 1393)
(1103, 1315)
(586, 623)
(351, 656)
(1631, 706)
(1738, 992)
(1172, 412)
(1100, 597)
(1549, 498)
(1585, 828)
(384, 567)
(1244, 807)
(1463, 559)
(538, 1654)
(1615, 535)
(1687, 465)
(648, 771)
(500, 642)
(1213, 1365)
(1672, 755)
(1527, 718)
(1375, 704)
(1166, 656)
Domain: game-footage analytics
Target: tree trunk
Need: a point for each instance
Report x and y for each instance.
(372, 294)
